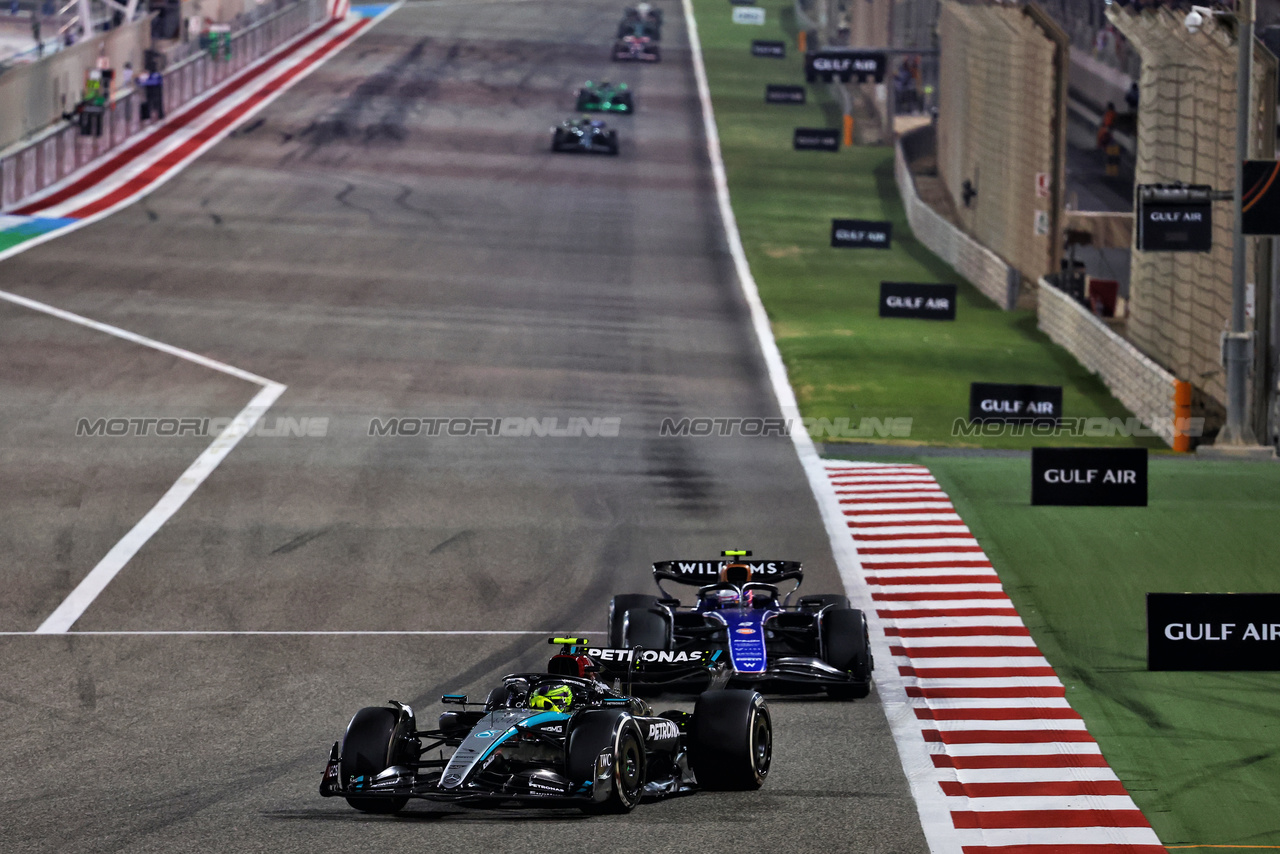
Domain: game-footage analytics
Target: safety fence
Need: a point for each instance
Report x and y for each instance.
(61, 150)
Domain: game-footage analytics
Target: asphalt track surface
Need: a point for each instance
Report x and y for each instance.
(393, 239)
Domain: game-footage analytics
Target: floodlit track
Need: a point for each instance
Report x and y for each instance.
(392, 240)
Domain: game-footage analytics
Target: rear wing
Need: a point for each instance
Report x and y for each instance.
(656, 665)
(701, 572)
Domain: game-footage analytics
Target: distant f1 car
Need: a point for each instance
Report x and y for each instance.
(636, 48)
(605, 97)
(559, 738)
(585, 135)
(632, 24)
(820, 642)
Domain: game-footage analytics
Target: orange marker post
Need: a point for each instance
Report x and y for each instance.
(802, 40)
(1181, 415)
(848, 130)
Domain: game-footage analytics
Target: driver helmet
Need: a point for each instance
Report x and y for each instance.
(738, 574)
(553, 697)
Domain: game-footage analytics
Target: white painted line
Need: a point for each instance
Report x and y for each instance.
(1031, 749)
(1044, 802)
(101, 575)
(132, 337)
(935, 818)
(914, 644)
(1034, 775)
(71, 609)
(948, 703)
(1057, 836)
(1038, 725)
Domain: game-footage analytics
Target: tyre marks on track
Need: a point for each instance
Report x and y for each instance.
(1014, 764)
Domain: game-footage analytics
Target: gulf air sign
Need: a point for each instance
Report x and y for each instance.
(845, 65)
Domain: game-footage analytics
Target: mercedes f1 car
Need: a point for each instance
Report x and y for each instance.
(820, 642)
(605, 97)
(636, 47)
(584, 135)
(560, 738)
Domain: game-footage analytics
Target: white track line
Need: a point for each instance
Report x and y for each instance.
(97, 580)
(78, 601)
(935, 817)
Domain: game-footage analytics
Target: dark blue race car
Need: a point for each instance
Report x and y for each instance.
(818, 643)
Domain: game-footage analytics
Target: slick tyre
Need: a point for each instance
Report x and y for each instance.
(375, 740)
(611, 142)
(615, 731)
(619, 606)
(646, 628)
(730, 740)
(848, 647)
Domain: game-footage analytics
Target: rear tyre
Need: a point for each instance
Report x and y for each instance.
(619, 606)
(657, 54)
(611, 142)
(730, 740)
(376, 739)
(848, 647)
(646, 628)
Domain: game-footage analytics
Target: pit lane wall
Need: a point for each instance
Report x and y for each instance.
(1145, 388)
(984, 268)
(32, 165)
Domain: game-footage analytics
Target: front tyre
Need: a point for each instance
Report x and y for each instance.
(376, 739)
(730, 740)
(600, 731)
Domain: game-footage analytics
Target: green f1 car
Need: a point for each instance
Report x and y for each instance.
(605, 97)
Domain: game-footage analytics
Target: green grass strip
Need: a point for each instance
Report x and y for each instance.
(1199, 752)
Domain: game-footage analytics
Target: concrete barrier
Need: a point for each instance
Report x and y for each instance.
(1144, 387)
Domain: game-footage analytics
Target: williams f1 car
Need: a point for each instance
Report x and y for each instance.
(636, 47)
(820, 642)
(641, 22)
(584, 135)
(605, 97)
(560, 738)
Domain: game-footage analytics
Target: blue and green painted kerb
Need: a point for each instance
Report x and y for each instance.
(20, 229)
